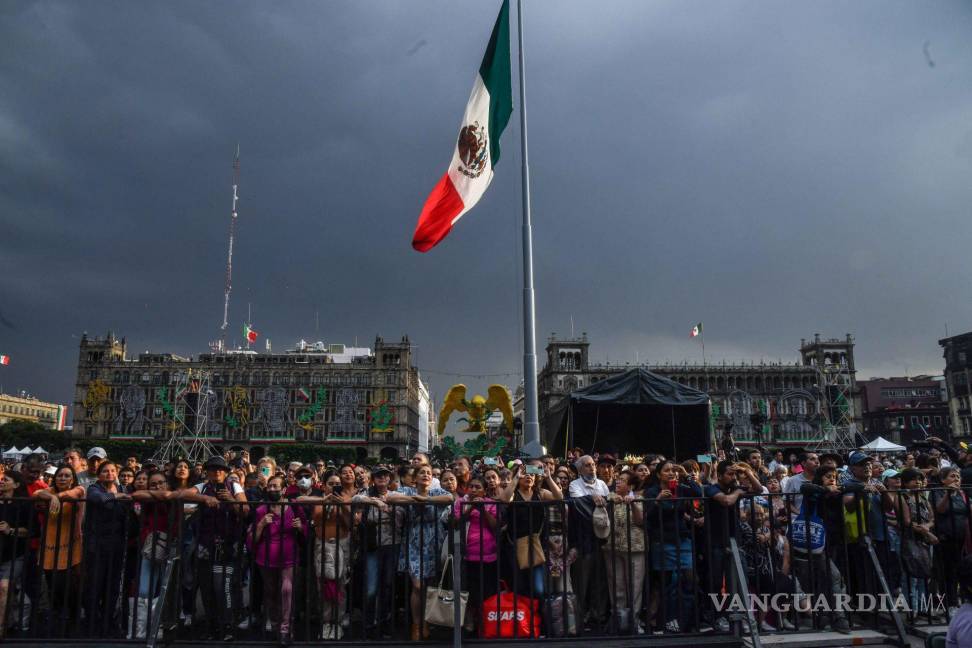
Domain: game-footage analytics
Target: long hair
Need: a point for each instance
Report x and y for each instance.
(21, 489)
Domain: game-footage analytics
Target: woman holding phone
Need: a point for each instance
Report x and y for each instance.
(668, 503)
(275, 542)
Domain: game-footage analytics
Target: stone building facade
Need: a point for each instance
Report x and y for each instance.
(27, 408)
(794, 397)
(958, 373)
(905, 409)
(338, 396)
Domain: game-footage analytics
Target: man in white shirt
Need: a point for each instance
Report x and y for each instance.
(588, 483)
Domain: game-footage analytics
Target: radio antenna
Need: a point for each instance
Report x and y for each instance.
(229, 256)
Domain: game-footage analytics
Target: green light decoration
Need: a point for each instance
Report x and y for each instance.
(162, 395)
(306, 418)
(382, 417)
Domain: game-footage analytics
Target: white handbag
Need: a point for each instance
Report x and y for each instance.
(440, 603)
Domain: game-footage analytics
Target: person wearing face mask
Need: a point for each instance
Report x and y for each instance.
(274, 541)
(304, 485)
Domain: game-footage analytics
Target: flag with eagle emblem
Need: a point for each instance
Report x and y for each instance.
(477, 149)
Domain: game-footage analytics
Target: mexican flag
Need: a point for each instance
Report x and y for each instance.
(4, 359)
(249, 333)
(696, 330)
(304, 394)
(477, 148)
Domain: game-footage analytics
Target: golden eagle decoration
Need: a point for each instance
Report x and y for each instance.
(478, 408)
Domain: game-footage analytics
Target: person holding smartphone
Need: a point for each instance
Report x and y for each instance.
(668, 506)
(218, 552)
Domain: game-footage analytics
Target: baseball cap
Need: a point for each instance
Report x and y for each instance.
(857, 457)
(215, 463)
(97, 452)
(607, 459)
(889, 473)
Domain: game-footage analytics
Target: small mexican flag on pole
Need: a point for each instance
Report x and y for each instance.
(249, 334)
(696, 330)
(4, 359)
(304, 394)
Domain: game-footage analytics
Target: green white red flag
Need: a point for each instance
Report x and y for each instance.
(696, 330)
(4, 359)
(249, 334)
(304, 394)
(477, 148)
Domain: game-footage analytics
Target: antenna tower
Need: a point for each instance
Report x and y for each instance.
(229, 256)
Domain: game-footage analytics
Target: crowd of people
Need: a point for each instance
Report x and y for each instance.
(591, 542)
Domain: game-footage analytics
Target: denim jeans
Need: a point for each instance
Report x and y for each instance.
(380, 567)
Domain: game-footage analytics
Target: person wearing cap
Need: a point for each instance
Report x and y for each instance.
(605, 469)
(381, 545)
(218, 553)
(96, 456)
(304, 485)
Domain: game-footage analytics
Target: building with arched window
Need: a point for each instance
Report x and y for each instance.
(793, 396)
(336, 395)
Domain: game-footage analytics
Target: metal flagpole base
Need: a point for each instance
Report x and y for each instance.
(533, 450)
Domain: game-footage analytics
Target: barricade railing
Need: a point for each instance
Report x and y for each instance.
(324, 569)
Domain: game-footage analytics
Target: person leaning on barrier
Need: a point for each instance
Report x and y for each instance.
(381, 548)
(218, 552)
(424, 531)
(15, 517)
(588, 573)
(668, 509)
(813, 560)
(721, 518)
(106, 520)
(952, 528)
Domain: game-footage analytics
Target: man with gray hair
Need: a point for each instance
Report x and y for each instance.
(588, 483)
(588, 572)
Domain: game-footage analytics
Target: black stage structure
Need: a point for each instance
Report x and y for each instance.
(633, 412)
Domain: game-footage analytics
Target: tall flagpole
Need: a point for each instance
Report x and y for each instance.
(531, 423)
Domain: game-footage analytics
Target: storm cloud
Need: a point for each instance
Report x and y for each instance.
(771, 169)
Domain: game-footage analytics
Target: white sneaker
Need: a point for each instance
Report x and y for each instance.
(268, 626)
(185, 619)
(672, 626)
(244, 624)
(766, 627)
(722, 624)
(327, 632)
(640, 629)
(787, 625)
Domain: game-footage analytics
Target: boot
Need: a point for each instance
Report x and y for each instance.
(141, 617)
(131, 617)
(425, 631)
(415, 633)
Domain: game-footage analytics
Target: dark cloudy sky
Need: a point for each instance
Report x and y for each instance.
(772, 169)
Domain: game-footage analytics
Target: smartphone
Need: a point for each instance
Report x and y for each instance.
(534, 470)
(490, 461)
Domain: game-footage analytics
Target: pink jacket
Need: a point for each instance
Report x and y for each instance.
(278, 545)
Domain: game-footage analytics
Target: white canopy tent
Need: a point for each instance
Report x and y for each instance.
(40, 450)
(12, 453)
(881, 444)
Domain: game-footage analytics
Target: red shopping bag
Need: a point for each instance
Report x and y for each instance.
(504, 619)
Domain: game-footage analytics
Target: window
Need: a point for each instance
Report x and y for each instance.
(925, 420)
(938, 420)
(914, 421)
(900, 421)
(94, 374)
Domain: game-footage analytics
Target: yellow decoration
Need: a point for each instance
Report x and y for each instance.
(94, 398)
(239, 405)
(478, 408)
